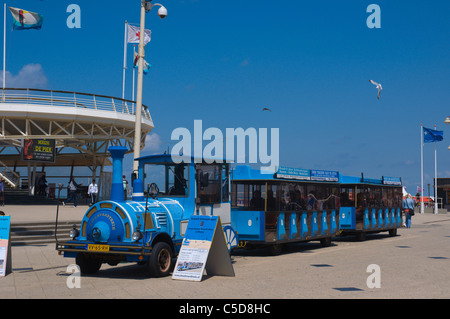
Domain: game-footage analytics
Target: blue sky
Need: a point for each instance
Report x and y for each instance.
(308, 61)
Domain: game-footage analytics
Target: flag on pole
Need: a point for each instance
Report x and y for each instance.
(26, 20)
(430, 135)
(134, 35)
(147, 65)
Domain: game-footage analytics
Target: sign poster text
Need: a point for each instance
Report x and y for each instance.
(203, 247)
(5, 245)
(39, 150)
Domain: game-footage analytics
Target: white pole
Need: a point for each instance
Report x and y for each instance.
(4, 48)
(124, 59)
(435, 177)
(29, 178)
(134, 70)
(140, 84)
(421, 170)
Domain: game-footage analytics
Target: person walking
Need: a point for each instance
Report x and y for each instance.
(93, 192)
(72, 188)
(42, 185)
(2, 192)
(408, 210)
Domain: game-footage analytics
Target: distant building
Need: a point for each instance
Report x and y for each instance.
(443, 191)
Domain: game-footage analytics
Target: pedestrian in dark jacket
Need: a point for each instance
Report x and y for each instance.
(72, 189)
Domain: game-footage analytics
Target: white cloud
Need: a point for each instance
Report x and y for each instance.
(30, 76)
(153, 143)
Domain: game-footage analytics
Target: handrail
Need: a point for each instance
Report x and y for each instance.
(11, 182)
(71, 99)
(71, 92)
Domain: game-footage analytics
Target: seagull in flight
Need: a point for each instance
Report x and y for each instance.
(266, 109)
(379, 87)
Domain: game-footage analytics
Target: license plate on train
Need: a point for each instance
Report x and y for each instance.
(92, 247)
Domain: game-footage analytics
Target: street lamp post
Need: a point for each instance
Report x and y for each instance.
(162, 12)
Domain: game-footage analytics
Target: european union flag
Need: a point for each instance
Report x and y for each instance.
(430, 135)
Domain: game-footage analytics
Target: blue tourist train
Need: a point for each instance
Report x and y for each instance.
(149, 228)
(255, 208)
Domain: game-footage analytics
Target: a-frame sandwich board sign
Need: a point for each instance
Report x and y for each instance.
(203, 248)
(5, 245)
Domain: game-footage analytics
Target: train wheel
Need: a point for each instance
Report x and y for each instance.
(87, 264)
(275, 249)
(361, 236)
(160, 262)
(231, 237)
(325, 242)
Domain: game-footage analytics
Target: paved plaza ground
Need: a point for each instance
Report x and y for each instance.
(414, 264)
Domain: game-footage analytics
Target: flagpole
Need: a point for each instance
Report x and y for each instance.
(435, 177)
(4, 48)
(422, 210)
(134, 70)
(124, 59)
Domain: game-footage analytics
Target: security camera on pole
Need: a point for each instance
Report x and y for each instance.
(162, 12)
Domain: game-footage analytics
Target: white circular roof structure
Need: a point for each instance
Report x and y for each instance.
(62, 115)
(88, 123)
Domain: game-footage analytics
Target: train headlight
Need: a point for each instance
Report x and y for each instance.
(74, 232)
(136, 235)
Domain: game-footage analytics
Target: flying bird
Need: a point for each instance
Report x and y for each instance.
(266, 109)
(379, 87)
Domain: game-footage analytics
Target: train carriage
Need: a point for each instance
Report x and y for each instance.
(370, 205)
(292, 205)
(149, 228)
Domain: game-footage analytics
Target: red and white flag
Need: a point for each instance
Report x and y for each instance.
(134, 34)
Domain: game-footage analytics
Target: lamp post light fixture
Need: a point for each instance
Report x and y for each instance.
(146, 6)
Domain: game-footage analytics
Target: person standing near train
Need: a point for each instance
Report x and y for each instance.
(93, 192)
(2, 192)
(408, 210)
(126, 189)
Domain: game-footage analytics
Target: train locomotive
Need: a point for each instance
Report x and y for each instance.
(149, 228)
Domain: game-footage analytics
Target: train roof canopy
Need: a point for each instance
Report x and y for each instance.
(169, 158)
(245, 172)
(385, 180)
